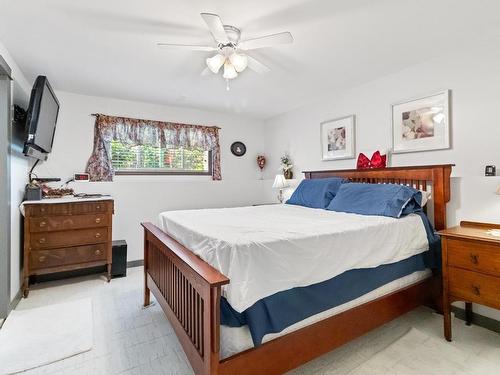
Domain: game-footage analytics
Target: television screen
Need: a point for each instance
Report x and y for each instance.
(41, 119)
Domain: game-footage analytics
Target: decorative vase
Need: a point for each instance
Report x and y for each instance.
(288, 174)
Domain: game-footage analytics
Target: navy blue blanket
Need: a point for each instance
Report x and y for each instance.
(276, 312)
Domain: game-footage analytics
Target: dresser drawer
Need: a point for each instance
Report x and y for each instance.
(57, 223)
(474, 255)
(474, 287)
(72, 255)
(69, 208)
(48, 240)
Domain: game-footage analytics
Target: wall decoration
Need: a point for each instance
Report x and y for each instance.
(337, 138)
(261, 162)
(238, 148)
(377, 161)
(286, 166)
(421, 124)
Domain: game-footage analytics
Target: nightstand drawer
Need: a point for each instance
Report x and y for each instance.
(71, 255)
(68, 222)
(474, 255)
(474, 287)
(68, 238)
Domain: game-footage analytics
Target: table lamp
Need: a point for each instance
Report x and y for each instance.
(280, 183)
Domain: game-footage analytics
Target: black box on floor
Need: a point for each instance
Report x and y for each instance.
(119, 267)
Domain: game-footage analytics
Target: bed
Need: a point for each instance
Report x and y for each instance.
(197, 262)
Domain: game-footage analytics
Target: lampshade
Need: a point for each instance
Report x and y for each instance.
(239, 61)
(229, 71)
(280, 182)
(214, 63)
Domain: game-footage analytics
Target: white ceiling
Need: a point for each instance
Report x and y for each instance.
(107, 48)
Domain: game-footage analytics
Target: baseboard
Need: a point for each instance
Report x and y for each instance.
(478, 319)
(16, 300)
(135, 263)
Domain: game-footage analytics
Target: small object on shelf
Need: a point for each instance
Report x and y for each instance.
(490, 170)
(280, 183)
(81, 177)
(49, 192)
(32, 193)
(471, 255)
(238, 148)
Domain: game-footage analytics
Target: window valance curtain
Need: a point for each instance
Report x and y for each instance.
(137, 132)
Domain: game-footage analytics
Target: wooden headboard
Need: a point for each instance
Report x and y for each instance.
(419, 177)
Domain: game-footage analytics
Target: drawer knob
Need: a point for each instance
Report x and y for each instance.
(42, 240)
(97, 235)
(474, 258)
(98, 207)
(42, 224)
(476, 290)
(98, 252)
(97, 220)
(42, 259)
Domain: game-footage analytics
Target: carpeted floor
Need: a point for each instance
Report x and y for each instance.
(129, 340)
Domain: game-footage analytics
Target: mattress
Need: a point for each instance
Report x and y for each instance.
(267, 249)
(237, 339)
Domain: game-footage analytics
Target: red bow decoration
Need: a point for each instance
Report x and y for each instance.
(377, 161)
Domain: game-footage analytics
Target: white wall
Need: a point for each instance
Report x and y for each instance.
(142, 198)
(19, 172)
(474, 78)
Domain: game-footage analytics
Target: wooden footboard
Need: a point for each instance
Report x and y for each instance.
(188, 290)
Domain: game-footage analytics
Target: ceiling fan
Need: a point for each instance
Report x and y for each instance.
(231, 51)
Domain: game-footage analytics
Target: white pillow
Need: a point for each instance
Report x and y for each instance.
(426, 195)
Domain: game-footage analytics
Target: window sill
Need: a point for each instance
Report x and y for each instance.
(160, 173)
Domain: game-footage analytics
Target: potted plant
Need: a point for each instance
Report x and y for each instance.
(286, 166)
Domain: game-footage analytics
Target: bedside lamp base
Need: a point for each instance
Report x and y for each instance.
(280, 196)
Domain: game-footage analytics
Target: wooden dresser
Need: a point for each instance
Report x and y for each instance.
(471, 268)
(66, 234)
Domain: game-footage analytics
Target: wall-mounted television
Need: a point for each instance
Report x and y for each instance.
(41, 120)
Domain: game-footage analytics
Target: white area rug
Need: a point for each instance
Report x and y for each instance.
(417, 353)
(39, 336)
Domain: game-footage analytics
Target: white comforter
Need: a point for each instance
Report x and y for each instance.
(267, 249)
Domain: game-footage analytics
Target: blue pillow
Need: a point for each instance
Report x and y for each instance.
(377, 199)
(316, 193)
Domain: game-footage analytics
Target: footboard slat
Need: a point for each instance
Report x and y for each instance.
(185, 287)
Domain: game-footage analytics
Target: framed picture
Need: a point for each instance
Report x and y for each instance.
(421, 124)
(337, 139)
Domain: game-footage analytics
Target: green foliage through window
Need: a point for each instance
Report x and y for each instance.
(132, 158)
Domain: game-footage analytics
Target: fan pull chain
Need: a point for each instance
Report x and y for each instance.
(227, 85)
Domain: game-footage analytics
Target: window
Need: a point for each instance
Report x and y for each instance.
(147, 159)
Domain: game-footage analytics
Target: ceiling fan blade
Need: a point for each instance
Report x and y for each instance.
(216, 27)
(266, 41)
(257, 66)
(186, 46)
(205, 72)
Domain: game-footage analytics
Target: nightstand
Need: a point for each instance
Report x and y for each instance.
(471, 268)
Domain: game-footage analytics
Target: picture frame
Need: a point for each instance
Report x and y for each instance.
(421, 124)
(337, 138)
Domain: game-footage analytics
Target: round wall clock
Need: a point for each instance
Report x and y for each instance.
(238, 148)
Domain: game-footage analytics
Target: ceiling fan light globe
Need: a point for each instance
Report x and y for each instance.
(215, 63)
(239, 61)
(229, 71)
